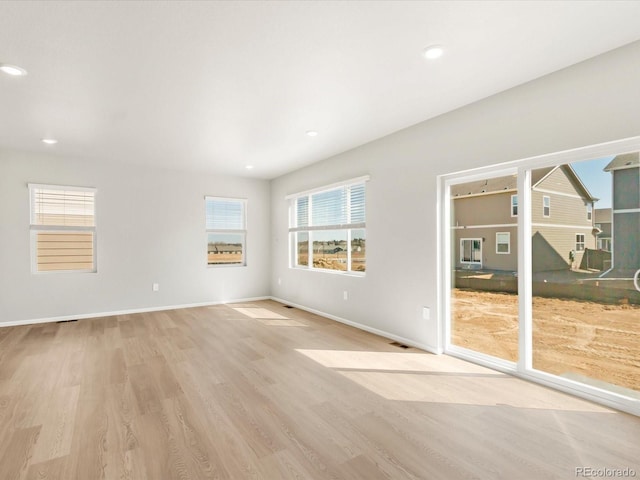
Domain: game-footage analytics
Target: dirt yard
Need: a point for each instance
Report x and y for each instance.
(570, 337)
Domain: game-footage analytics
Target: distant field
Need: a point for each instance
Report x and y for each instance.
(598, 341)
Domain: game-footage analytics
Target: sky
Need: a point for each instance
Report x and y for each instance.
(597, 181)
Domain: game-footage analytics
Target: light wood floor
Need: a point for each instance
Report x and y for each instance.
(261, 391)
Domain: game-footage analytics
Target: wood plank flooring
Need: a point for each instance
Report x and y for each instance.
(260, 391)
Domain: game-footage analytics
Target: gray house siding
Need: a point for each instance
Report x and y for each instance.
(625, 169)
(626, 225)
(626, 234)
(626, 193)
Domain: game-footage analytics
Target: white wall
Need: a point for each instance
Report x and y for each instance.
(592, 102)
(150, 229)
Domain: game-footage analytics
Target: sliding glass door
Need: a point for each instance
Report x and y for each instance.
(484, 261)
(540, 270)
(585, 310)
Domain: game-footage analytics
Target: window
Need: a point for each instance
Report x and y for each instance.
(226, 230)
(546, 206)
(589, 211)
(327, 228)
(549, 252)
(514, 205)
(63, 229)
(471, 250)
(503, 243)
(604, 244)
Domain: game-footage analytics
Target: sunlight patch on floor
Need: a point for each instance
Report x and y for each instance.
(468, 390)
(424, 377)
(392, 361)
(260, 313)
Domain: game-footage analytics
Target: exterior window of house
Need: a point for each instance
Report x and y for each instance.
(226, 226)
(503, 242)
(546, 206)
(471, 250)
(599, 225)
(327, 228)
(63, 228)
(604, 244)
(579, 242)
(514, 205)
(589, 212)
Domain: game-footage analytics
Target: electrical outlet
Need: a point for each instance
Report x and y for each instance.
(279, 281)
(155, 287)
(345, 295)
(426, 313)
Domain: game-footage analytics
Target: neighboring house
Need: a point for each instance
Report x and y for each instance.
(485, 221)
(625, 170)
(602, 218)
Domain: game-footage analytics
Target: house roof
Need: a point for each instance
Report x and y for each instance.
(626, 160)
(602, 215)
(509, 183)
(490, 185)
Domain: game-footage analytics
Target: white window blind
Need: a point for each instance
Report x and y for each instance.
(63, 228)
(328, 227)
(225, 214)
(226, 230)
(62, 207)
(341, 207)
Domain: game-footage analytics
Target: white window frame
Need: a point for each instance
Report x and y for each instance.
(36, 228)
(514, 205)
(578, 243)
(470, 262)
(524, 366)
(601, 241)
(232, 231)
(546, 199)
(589, 212)
(508, 243)
(349, 227)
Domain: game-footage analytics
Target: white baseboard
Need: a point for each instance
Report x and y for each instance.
(125, 312)
(357, 325)
(366, 328)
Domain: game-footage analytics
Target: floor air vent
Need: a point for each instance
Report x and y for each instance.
(67, 321)
(399, 345)
(288, 306)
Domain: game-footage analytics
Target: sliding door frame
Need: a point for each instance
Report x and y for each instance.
(524, 367)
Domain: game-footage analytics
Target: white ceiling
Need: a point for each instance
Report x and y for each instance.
(215, 86)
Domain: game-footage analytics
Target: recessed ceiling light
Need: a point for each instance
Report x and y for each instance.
(49, 141)
(12, 70)
(249, 167)
(312, 133)
(433, 51)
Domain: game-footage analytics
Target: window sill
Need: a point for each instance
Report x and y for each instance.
(330, 272)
